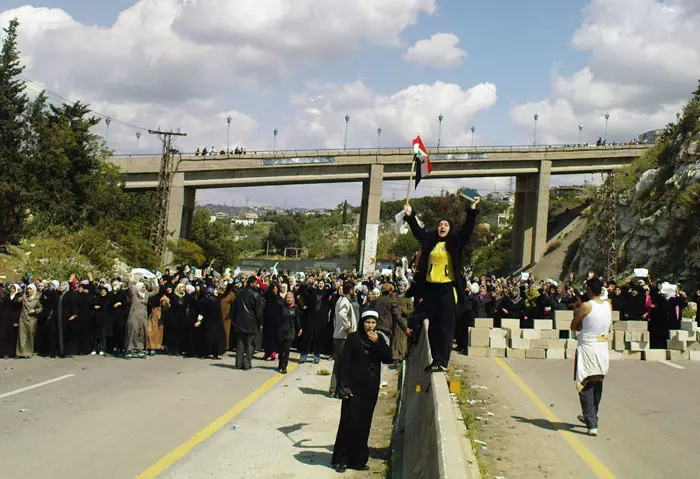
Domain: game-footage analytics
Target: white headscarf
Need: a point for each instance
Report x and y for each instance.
(31, 289)
(17, 290)
(138, 289)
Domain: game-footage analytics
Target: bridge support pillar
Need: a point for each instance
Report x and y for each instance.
(180, 211)
(530, 216)
(368, 236)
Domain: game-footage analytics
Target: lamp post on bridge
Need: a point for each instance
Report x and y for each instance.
(347, 120)
(534, 138)
(605, 136)
(274, 141)
(440, 117)
(580, 129)
(228, 134)
(473, 130)
(379, 138)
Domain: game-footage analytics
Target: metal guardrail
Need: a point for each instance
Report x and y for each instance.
(393, 151)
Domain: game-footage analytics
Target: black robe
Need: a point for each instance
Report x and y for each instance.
(359, 381)
(47, 337)
(212, 335)
(271, 320)
(119, 310)
(10, 312)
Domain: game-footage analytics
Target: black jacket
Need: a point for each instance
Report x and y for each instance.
(248, 311)
(289, 323)
(456, 241)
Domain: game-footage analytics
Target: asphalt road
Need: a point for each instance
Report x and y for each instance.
(113, 418)
(649, 421)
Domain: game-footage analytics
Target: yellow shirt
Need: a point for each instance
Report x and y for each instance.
(440, 268)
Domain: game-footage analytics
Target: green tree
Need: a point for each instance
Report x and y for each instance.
(13, 103)
(405, 245)
(186, 252)
(286, 233)
(216, 238)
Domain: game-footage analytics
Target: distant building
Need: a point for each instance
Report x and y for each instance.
(251, 216)
(501, 197)
(243, 222)
(650, 136)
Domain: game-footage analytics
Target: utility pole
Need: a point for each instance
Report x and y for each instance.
(608, 219)
(159, 229)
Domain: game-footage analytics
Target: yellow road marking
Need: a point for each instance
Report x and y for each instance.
(186, 447)
(584, 453)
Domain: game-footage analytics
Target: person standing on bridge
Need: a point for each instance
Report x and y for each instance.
(592, 319)
(438, 279)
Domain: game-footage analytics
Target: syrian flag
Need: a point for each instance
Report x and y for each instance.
(420, 156)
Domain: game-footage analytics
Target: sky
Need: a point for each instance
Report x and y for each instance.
(300, 66)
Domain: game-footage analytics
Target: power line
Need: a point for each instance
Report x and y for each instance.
(60, 98)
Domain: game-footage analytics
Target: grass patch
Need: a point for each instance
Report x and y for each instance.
(552, 247)
(323, 372)
(468, 416)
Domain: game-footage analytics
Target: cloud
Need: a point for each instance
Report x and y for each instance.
(401, 115)
(644, 62)
(439, 51)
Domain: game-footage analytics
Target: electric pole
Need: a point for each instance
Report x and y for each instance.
(159, 229)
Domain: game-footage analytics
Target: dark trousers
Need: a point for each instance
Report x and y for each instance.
(245, 349)
(442, 315)
(283, 347)
(590, 400)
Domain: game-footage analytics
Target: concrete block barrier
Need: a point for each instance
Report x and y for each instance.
(429, 440)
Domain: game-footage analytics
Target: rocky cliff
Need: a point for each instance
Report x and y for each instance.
(658, 209)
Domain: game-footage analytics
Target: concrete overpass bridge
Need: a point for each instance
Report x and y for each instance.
(532, 167)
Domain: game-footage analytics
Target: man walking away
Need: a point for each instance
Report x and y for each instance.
(249, 316)
(592, 319)
(345, 322)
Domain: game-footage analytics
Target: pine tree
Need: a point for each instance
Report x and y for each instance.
(13, 103)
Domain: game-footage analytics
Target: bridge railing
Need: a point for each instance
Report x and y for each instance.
(392, 151)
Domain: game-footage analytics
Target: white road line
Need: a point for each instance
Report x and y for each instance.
(34, 386)
(670, 364)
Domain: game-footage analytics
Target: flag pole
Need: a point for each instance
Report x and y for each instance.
(410, 180)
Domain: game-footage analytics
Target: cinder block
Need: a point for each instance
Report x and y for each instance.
(634, 335)
(498, 333)
(516, 343)
(654, 355)
(513, 334)
(543, 324)
(568, 334)
(676, 345)
(679, 335)
(619, 340)
(571, 343)
(565, 315)
(615, 355)
(635, 355)
(615, 316)
(674, 355)
(556, 343)
(510, 323)
(535, 354)
(549, 334)
(694, 355)
(531, 334)
(556, 354)
(478, 352)
(477, 342)
(622, 326)
(515, 353)
(497, 353)
(562, 324)
(638, 346)
(479, 333)
(646, 336)
(539, 343)
(483, 322)
(689, 325)
(639, 326)
(570, 353)
(498, 343)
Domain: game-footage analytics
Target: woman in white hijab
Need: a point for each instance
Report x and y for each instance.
(31, 307)
(137, 323)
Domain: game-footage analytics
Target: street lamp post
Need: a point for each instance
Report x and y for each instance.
(534, 138)
(138, 139)
(274, 141)
(347, 120)
(473, 130)
(440, 117)
(228, 134)
(379, 138)
(108, 121)
(605, 136)
(580, 129)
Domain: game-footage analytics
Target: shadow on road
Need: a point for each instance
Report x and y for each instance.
(551, 426)
(312, 458)
(224, 365)
(316, 392)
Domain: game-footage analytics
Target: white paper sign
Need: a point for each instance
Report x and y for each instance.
(641, 272)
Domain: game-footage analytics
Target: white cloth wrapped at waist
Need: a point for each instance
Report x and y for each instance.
(592, 357)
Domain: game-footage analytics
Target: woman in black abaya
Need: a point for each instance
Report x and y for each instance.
(358, 385)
